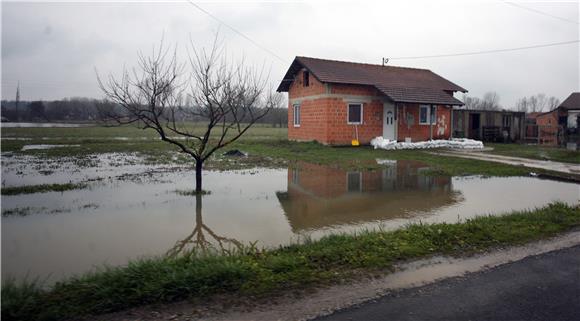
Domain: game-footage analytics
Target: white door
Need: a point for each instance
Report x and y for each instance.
(389, 122)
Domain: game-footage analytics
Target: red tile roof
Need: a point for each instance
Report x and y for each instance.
(400, 84)
(572, 102)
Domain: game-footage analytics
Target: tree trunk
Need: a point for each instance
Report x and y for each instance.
(198, 169)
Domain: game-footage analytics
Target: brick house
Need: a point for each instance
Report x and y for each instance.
(561, 124)
(333, 102)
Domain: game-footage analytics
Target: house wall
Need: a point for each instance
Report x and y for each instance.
(408, 123)
(548, 119)
(342, 133)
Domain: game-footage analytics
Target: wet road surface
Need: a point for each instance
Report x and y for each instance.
(543, 287)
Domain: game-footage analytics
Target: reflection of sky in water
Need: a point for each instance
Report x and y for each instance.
(120, 218)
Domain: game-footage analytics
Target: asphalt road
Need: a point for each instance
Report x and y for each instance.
(543, 287)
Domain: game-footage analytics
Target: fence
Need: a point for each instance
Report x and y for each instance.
(551, 135)
(544, 134)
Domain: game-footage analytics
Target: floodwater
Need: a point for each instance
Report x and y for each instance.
(43, 125)
(131, 210)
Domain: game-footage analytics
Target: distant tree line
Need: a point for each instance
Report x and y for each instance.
(491, 101)
(80, 109)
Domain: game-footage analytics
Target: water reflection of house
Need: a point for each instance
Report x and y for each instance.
(321, 196)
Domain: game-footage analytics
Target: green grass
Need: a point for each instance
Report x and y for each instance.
(42, 188)
(251, 273)
(365, 157)
(557, 154)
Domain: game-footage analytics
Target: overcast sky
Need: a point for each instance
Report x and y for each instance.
(53, 49)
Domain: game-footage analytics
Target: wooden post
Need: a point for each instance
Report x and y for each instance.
(451, 126)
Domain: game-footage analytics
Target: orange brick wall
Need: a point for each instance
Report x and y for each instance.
(342, 133)
(313, 121)
(549, 119)
(419, 132)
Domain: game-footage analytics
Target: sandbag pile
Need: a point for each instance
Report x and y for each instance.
(458, 143)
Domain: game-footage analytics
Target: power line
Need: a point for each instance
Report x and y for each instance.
(489, 51)
(541, 12)
(236, 31)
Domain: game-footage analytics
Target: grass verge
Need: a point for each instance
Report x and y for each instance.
(557, 154)
(252, 273)
(42, 188)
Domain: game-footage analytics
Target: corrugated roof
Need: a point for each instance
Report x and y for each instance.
(400, 84)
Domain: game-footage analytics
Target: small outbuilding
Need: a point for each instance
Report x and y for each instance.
(335, 102)
(489, 125)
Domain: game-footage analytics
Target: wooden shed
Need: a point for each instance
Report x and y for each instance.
(489, 125)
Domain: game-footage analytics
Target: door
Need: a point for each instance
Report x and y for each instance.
(389, 122)
(474, 126)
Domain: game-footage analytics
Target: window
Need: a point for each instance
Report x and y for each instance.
(425, 115)
(296, 115)
(354, 182)
(305, 78)
(355, 114)
(507, 120)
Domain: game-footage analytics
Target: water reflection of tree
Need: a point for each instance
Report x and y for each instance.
(198, 242)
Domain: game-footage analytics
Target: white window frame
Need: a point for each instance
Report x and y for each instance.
(348, 114)
(294, 114)
(430, 119)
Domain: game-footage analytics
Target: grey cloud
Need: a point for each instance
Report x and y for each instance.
(52, 48)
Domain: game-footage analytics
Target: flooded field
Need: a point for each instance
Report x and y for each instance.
(42, 125)
(128, 210)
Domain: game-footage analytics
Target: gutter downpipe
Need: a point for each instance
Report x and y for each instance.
(431, 123)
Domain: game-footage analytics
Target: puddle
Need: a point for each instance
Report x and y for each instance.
(131, 210)
(45, 146)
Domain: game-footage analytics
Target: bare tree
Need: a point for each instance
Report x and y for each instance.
(230, 97)
(471, 103)
(490, 101)
(537, 103)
